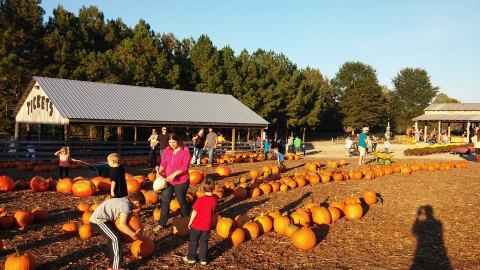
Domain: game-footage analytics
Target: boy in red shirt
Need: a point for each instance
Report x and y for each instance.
(201, 223)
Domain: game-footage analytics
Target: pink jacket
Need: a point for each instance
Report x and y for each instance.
(174, 162)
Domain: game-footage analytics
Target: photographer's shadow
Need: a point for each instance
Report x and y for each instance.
(430, 252)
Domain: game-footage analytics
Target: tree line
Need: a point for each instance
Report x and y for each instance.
(89, 47)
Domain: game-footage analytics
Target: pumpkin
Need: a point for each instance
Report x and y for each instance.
(240, 193)
(280, 224)
(252, 229)
(224, 227)
(313, 179)
(140, 179)
(309, 205)
(223, 171)
(23, 218)
(180, 226)
(335, 213)
(283, 188)
(151, 176)
(196, 177)
(265, 222)
(301, 217)
(275, 186)
(369, 197)
(6, 183)
(83, 188)
(351, 200)
(6, 221)
(38, 184)
(357, 175)
(406, 170)
(311, 166)
(142, 247)
(325, 178)
(266, 188)
(321, 215)
(39, 214)
(85, 231)
(70, 228)
(274, 214)
(256, 193)
(64, 185)
(82, 207)
(132, 186)
(238, 236)
(133, 222)
(174, 205)
(339, 205)
(151, 197)
(290, 230)
(86, 217)
(337, 177)
(241, 219)
(156, 214)
(101, 183)
(353, 211)
(17, 261)
(304, 238)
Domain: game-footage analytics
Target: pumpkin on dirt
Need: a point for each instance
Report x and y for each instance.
(304, 238)
(301, 217)
(86, 217)
(133, 185)
(369, 197)
(196, 177)
(6, 221)
(238, 236)
(23, 218)
(156, 214)
(134, 223)
(83, 188)
(64, 185)
(252, 229)
(82, 207)
(17, 261)
(291, 229)
(85, 231)
(142, 247)
(280, 224)
(223, 171)
(70, 228)
(353, 211)
(151, 197)
(265, 222)
(321, 215)
(6, 183)
(174, 205)
(38, 184)
(224, 227)
(335, 213)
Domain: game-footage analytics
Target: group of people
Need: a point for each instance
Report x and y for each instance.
(365, 144)
(293, 145)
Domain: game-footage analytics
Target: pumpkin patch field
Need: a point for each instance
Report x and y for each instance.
(308, 214)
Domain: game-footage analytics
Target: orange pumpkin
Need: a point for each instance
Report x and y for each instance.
(151, 197)
(301, 217)
(266, 188)
(339, 205)
(17, 261)
(238, 236)
(280, 224)
(39, 214)
(82, 207)
(256, 193)
(151, 176)
(252, 229)
(86, 217)
(132, 186)
(64, 185)
(85, 231)
(274, 214)
(196, 177)
(38, 184)
(335, 213)
(174, 205)
(223, 171)
(353, 211)
(6, 183)
(134, 223)
(265, 222)
(351, 200)
(142, 247)
(224, 227)
(304, 238)
(369, 197)
(23, 218)
(70, 228)
(156, 214)
(321, 215)
(291, 229)
(101, 183)
(83, 188)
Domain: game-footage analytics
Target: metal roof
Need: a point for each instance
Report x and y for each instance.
(94, 102)
(454, 107)
(449, 117)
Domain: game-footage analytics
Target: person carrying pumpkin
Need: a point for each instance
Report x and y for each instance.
(200, 224)
(63, 161)
(118, 187)
(103, 222)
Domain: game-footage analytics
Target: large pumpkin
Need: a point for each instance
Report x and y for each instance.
(196, 177)
(301, 217)
(224, 227)
(280, 224)
(142, 247)
(134, 223)
(17, 261)
(304, 238)
(369, 197)
(335, 213)
(38, 184)
(23, 218)
(238, 236)
(102, 183)
(223, 171)
(254, 174)
(265, 222)
(83, 188)
(151, 197)
(64, 185)
(6, 183)
(252, 229)
(353, 211)
(321, 215)
(85, 231)
(132, 185)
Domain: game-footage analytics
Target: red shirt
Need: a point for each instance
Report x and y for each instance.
(205, 206)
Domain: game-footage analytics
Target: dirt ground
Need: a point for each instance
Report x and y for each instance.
(389, 236)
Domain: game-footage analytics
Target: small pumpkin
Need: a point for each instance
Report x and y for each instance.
(224, 227)
(265, 222)
(353, 211)
(304, 239)
(321, 215)
(280, 224)
(142, 247)
(23, 218)
(82, 207)
(85, 231)
(238, 236)
(86, 217)
(156, 214)
(6, 183)
(369, 197)
(64, 185)
(83, 188)
(70, 228)
(223, 171)
(252, 229)
(174, 205)
(17, 261)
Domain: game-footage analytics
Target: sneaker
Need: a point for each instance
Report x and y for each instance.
(203, 263)
(158, 228)
(185, 259)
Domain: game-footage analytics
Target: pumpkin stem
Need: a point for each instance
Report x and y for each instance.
(17, 251)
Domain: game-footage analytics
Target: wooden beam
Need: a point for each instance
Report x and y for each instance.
(66, 133)
(439, 128)
(119, 140)
(425, 133)
(17, 130)
(233, 139)
(135, 135)
(262, 137)
(449, 130)
(468, 132)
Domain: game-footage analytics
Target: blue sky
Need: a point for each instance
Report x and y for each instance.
(443, 37)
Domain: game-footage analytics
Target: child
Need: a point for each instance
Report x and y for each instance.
(64, 161)
(280, 156)
(201, 223)
(348, 146)
(386, 145)
(118, 186)
(103, 222)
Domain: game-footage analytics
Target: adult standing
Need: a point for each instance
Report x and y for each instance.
(476, 145)
(297, 143)
(211, 145)
(362, 145)
(163, 140)
(266, 148)
(198, 145)
(174, 167)
(289, 144)
(153, 139)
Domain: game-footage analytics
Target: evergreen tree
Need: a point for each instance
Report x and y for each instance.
(443, 98)
(206, 64)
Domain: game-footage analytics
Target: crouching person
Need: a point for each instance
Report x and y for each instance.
(103, 222)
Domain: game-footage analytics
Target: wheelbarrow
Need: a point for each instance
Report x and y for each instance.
(382, 158)
(100, 169)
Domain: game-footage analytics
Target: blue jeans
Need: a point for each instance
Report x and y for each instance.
(211, 153)
(197, 155)
(166, 196)
(198, 238)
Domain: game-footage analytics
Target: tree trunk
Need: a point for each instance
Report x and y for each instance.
(304, 131)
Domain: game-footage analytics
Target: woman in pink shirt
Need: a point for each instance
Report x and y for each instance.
(174, 167)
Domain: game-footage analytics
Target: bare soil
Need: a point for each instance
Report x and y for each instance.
(389, 236)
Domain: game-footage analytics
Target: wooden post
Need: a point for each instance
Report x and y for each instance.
(233, 139)
(468, 132)
(238, 135)
(248, 135)
(17, 130)
(303, 136)
(135, 135)
(439, 129)
(425, 132)
(119, 140)
(91, 132)
(448, 130)
(262, 137)
(66, 134)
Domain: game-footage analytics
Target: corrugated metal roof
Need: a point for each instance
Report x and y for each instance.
(454, 107)
(82, 100)
(448, 117)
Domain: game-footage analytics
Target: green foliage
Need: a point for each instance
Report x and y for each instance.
(361, 99)
(412, 93)
(443, 98)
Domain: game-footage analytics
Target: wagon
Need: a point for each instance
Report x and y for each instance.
(382, 158)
